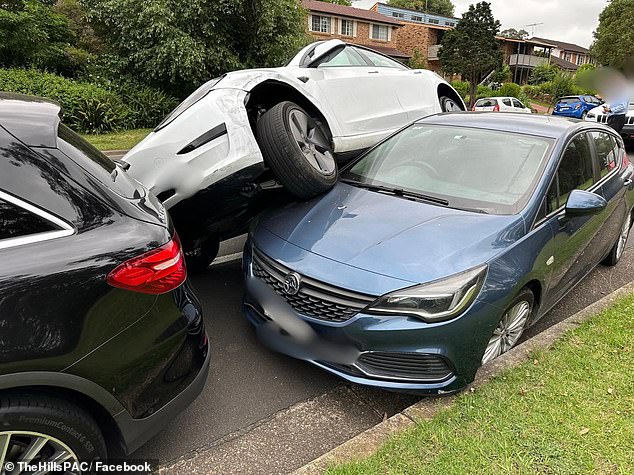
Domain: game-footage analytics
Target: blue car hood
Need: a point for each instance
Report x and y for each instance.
(391, 236)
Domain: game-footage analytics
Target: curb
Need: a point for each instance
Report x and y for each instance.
(369, 441)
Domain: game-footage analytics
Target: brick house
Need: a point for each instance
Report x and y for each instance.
(327, 21)
(570, 53)
(420, 32)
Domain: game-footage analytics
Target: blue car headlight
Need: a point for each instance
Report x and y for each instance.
(436, 301)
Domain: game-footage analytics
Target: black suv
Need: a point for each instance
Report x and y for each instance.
(102, 340)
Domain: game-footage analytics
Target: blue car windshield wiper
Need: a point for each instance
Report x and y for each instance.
(400, 192)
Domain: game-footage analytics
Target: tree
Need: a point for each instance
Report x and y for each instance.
(439, 7)
(32, 34)
(514, 34)
(614, 37)
(543, 73)
(471, 48)
(177, 45)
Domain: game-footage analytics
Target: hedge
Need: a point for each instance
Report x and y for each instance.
(90, 108)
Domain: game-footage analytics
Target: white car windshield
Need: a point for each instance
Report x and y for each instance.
(481, 170)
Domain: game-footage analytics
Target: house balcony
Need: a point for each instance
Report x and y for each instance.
(527, 60)
(432, 52)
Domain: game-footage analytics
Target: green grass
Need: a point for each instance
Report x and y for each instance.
(123, 140)
(569, 410)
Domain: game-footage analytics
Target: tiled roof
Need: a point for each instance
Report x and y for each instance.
(350, 12)
(563, 64)
(564, 46)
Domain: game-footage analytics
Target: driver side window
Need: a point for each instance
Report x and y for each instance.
(347, 57)
(575, 170)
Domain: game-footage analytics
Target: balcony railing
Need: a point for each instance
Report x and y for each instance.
(432, 52)
(527, 60)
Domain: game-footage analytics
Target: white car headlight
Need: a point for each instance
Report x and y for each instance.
(437, 301)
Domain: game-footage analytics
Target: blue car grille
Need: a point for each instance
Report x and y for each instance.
(315, 299)
(404, 366)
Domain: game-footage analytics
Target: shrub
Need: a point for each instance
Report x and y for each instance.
(148, 105)
(484, 91)
(509, 89)
(531, 91)
(562, 85)
(86, 107)
(543, 73)
(462, 87)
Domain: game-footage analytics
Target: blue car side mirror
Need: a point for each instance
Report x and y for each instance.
(584, 203)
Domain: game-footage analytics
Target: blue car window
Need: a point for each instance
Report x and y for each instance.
(491, 171)
(575, 170)
(607, 151)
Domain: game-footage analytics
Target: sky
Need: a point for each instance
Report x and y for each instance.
(572, 21)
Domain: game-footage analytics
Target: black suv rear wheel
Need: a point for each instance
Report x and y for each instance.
(42, 428)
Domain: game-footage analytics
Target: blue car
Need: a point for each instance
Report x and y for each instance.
(576, 106)
(439, 247)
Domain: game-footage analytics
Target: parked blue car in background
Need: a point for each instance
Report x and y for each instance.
(576, 106)
(439, 247)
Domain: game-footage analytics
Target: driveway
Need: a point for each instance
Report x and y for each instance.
(248, 384)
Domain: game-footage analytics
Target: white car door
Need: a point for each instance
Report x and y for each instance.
(415, 88)
(362, 96)
(519, 107)
(505, 104)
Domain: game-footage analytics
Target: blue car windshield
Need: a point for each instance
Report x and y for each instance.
(482, 170)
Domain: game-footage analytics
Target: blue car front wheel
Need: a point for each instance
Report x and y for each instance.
(511, 327)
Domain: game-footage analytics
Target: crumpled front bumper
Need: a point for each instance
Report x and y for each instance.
(337, 347)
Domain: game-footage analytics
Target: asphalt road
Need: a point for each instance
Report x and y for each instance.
(249, 384)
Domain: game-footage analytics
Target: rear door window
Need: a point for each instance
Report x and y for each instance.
(507, 102)
(23, 223)
(607, 152)
(518, 104)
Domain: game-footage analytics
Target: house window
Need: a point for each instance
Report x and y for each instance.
(379, 32)
(347, 28)
(398, 15)
(321, 24)
(433, 21)
(450, 23)
(580, 60)
(568, 57)
(417, 18)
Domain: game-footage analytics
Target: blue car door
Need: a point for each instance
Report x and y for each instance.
(610, 155)
(575, 238)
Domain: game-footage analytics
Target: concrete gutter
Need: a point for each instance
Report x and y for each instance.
(368, 442)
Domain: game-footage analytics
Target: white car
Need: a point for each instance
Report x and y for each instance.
(597, 115)
(213, 160)
(501, 104)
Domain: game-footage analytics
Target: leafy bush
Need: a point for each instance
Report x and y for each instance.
(543, 73)
(32, 34)
(86, 107)
(484, 91)
(531, 91)
(562, 85)
(509, 89)
(462, 87)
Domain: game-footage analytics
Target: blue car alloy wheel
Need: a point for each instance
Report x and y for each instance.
(439, 247)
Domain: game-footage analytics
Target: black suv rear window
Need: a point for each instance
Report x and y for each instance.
(17, 222)
(95, 163)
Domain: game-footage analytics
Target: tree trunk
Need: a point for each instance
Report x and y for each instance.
(473, 93)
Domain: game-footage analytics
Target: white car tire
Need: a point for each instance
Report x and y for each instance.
(297, 149)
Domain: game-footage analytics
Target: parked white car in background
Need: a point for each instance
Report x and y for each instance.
(501, 104)
(597, 115)
(214, 158)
